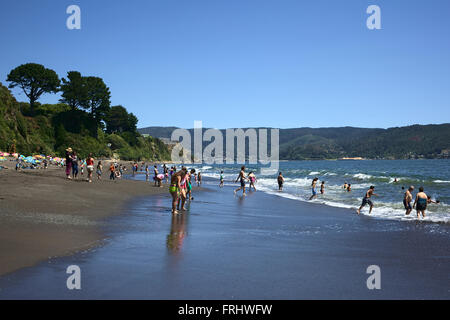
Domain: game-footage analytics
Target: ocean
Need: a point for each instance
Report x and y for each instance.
(433, 175)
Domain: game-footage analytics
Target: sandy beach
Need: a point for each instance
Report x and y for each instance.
(44, 215)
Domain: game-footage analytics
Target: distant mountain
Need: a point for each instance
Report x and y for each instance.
(411, 142)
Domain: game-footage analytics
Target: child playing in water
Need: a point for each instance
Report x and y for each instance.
(252, 178)
(322, 187)
(313, 188)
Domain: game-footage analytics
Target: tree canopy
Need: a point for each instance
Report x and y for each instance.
(74, 90)
(97, 98)
(34, 79)
(119, 120)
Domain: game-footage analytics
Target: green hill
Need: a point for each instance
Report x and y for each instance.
(417, 141)
(53, 128)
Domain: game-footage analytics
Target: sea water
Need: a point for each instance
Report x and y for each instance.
(433, 175)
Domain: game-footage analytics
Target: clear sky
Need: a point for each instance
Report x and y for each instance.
(240, 63)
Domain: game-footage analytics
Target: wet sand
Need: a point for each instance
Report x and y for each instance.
(44, 215)
(257, 247)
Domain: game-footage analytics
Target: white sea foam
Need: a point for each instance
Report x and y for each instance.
(441, 181)
(362, 176)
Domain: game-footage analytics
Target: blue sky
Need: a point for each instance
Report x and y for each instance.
(241, 63)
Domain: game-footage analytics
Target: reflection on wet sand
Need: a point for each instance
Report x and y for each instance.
(177, 232)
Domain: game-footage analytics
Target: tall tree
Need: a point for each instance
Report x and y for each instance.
(74, 90)
(34, 79)
(119, 120)
(97, 98)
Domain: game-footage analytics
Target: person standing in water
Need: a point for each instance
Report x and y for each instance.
(199, 178)
(252, 178)
(421, 202)
(345, 186)
(407, 200)
(147, 173)
(175, 188)
(280, 181)
(313, 188)
(241, 177)
(322, 187)
(366, 199)
(155, 172)
(221, 179)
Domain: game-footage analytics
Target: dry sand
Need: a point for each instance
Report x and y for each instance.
(43, 215)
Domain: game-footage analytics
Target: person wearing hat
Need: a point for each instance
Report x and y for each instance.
(68, 162)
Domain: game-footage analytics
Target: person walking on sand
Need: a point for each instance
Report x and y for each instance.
(241, 177)
(313, 188)
(407, 200)
(221, 179)
(280, 181)
(112, 170)
(99, 170)
(366, 200)
(68, 162)
(74, 165)
(322, 187)
(82, 165)
(421, 202)
(175, 188)
(90, 167)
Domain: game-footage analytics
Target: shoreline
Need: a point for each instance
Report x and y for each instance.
(43, 215)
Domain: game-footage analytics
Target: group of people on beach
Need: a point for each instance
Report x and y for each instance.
(181, 187)
(242, 178)
(74, 164)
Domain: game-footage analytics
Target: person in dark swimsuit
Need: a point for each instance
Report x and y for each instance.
(280, 180)
(242, 179)
(407, 200)
(421, 202)
(366, 199)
